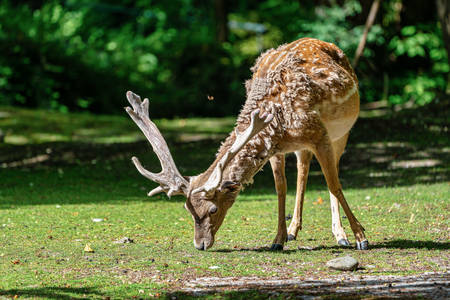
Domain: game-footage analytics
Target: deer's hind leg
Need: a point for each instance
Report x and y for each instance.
(278, 165)
(303, 162)
(336, 225)
(324, 152)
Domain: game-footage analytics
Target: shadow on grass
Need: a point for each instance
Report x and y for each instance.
(394, 244)
(405, 149)
(257, 249)
(53, 293)
(410, 244)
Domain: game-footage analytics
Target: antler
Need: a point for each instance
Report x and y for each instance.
(257, 124)
(169, 178)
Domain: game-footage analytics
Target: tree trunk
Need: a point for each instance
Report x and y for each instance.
(221, 14)
(369, 23)
(443, 10)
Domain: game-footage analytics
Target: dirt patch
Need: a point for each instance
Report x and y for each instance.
(428, 285)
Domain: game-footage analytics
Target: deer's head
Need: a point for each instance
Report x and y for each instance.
(208, 196)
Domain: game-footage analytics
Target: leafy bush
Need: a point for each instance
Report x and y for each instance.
(84, 55)
(68, 57)
(420, 46)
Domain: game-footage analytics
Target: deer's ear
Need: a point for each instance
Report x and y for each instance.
(230, 186)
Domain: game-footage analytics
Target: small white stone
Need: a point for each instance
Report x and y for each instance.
(124, 240)
(346, 263)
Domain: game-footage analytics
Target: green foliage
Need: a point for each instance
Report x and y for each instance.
(83, 55)
(421, 85)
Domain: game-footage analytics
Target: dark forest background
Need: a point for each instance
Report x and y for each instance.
(82, 55)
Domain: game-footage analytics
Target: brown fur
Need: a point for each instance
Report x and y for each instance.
(309, 92)
(311, 89)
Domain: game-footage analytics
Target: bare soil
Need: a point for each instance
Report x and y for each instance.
(347, 285)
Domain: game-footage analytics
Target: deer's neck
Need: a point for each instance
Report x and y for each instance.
(252, 157)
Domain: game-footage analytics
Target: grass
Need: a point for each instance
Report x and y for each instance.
(59, 172)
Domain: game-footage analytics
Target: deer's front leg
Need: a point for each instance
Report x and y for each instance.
(325, 156)
(277, 164)
(303, 161)
(336, 227)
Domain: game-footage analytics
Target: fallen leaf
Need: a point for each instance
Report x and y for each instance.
(319, 200)
(395, 205)
(411, 219)
(88, 249)
(16, 262)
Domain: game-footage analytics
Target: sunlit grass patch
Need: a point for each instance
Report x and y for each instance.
(52, 196)
(24, 126)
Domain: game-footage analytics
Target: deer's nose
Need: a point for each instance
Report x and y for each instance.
(201, 246)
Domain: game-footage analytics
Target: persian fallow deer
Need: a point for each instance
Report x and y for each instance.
(302, 98)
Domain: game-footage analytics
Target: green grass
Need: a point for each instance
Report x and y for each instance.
(396, 180)
(24, 126)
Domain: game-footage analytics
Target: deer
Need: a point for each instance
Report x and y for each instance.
(302, 98)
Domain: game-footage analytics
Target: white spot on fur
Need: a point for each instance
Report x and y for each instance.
(340, 100)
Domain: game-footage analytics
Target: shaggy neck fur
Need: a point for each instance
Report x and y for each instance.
(290, 82)
(254, 155)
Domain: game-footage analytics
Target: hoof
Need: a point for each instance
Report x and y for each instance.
(343, 243)
(364, 245)
(290, 237)
(276, 247)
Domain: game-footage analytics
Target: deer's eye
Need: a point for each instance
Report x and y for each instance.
(213, 209)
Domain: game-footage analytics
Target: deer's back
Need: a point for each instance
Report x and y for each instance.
(303, 78)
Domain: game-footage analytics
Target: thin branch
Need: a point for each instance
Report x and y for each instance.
(369, 23)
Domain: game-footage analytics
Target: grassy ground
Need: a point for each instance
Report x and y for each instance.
(59, 172)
